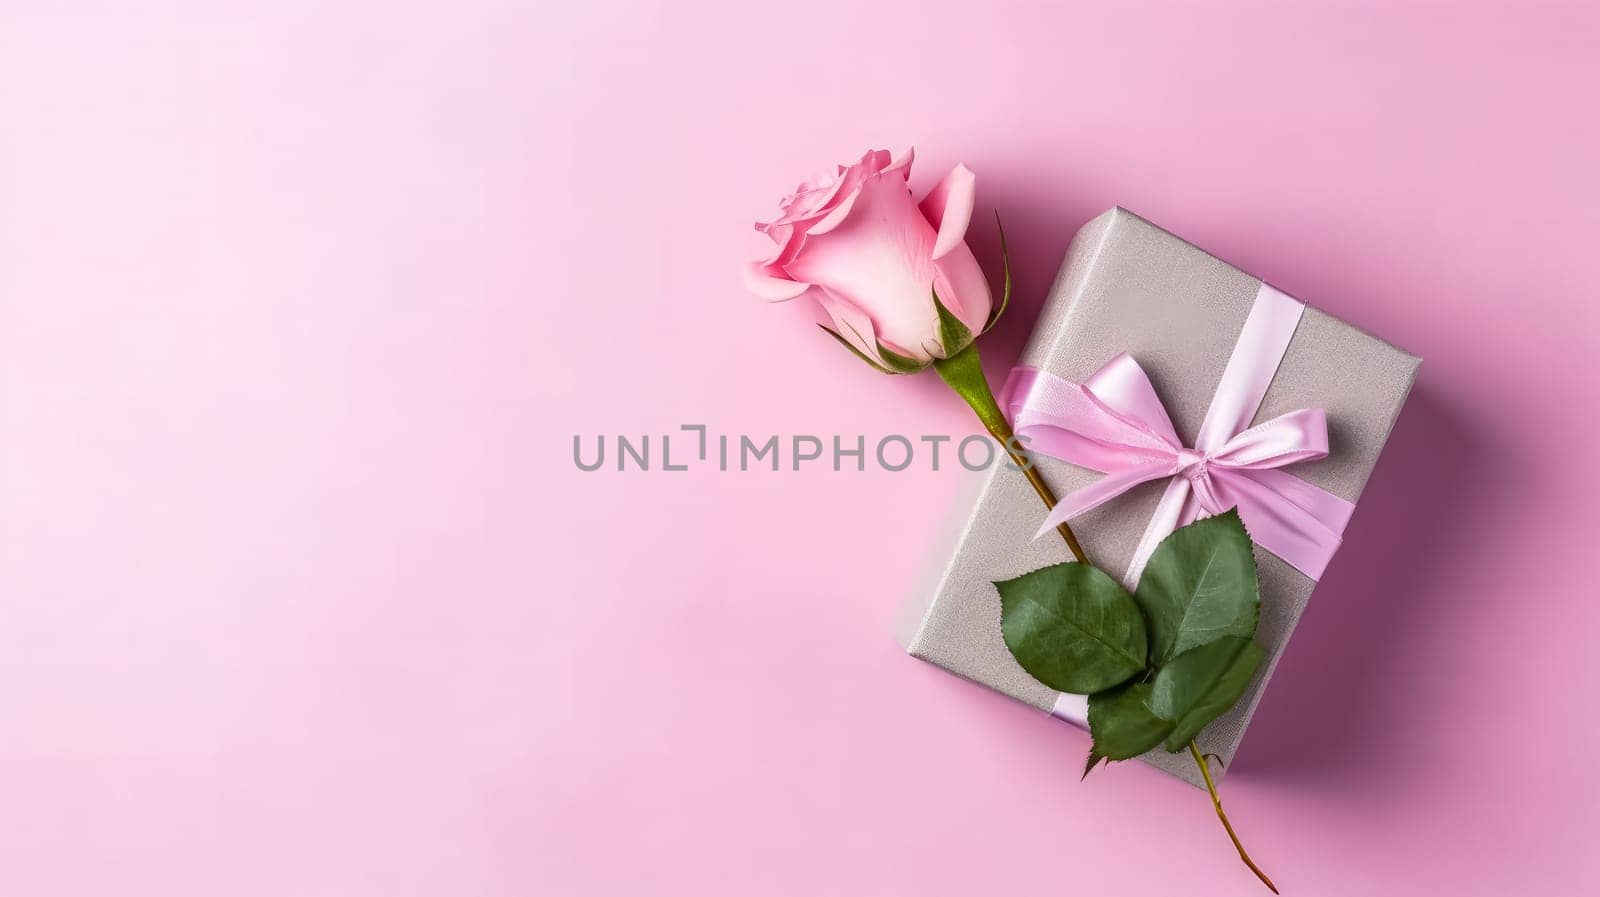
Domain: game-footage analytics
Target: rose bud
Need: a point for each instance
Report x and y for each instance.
(896, 277)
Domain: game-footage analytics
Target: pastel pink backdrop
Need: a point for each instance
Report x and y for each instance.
(301, 305)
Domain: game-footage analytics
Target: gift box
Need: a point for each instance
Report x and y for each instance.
(1127, 286)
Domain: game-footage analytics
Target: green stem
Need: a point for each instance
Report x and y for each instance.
(964, 373)
(1216, 801)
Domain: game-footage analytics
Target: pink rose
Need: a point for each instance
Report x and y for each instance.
(874, 259)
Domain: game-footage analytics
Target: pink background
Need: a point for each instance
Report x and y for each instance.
(301, 307)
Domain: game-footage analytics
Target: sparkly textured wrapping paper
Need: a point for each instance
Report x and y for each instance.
(1129, 286)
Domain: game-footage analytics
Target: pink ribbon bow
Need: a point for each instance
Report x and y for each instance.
(1116, 424)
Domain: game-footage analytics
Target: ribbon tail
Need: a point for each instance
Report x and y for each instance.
(1073, 709)
(1177, 507)
(1254, 362)
(1296, 521)
(1101, 491)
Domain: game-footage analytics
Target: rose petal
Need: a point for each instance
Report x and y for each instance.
(815, 199)
(772, 285)
(948, 207)
(835, 216)
(963, 288)
(903, 164)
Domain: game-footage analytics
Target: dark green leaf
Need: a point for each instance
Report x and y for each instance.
(1122, 723)
(1199, 586)
(1200, 685)
(1089, 765)
(1072, 627)
(953, 335)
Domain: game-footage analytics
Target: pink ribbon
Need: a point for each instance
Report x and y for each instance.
(1116, 424)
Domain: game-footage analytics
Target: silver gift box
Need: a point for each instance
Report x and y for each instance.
(1129, 286)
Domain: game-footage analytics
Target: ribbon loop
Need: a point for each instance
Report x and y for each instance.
(1115, 423)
